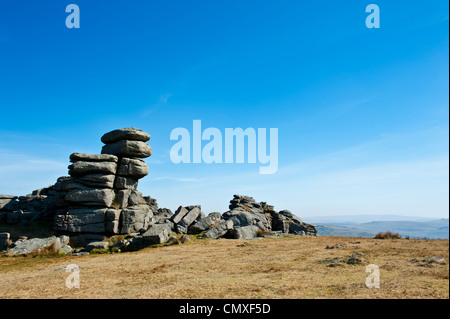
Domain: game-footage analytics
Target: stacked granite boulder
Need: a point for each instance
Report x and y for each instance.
(102, 188)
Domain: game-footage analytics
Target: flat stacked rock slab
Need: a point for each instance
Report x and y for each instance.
(127, 142)
(8, 203)
(128, 149)
(77, 157)
(131, 133)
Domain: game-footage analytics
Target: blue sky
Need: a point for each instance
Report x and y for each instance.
(362, 113)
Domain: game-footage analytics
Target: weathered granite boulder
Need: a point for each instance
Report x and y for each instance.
(125, 183)
(219, 230)
(8, 197)
(122, 197)
(112, 221)
(157, 234)
(129, 133)
(153, 203)
(163, 215)
(8, 203)
(135, 218)
(301, 229)
(280, 222)
(34, 203)
(97, 180)
(130, 149)
(289, 215)
(242, 218)
(91, 197)
(192, 213)
(246, 232)
(245, 212)
(135, 168)
(179, 214)
(88, 220)
(35, 245)
(82, 220)
(205, 223)
(135, 198)
(87, 168)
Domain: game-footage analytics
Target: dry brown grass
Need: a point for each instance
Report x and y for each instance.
(290, 267)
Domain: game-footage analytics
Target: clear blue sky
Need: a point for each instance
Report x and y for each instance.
(362, 113)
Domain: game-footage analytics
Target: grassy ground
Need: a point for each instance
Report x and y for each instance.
(289, 267)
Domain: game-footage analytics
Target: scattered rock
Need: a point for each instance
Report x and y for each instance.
(334, 262)
(246, 232)
(188, 219)
(157, 234)
(35, 245)
(424, 262)
(334, 246)
(185, 239)
(219, 230)
(353, 261)
(179, 214)
(101, 245)
(163, 215)
(437, 260)
(205, 223)
(81, 253)
(172, 241)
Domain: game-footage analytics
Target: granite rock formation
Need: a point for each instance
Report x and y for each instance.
(100, 199)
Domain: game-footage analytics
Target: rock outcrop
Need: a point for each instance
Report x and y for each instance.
(100, 199)
(245, 211)
(102, 193)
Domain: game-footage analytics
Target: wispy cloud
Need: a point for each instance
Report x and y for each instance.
(162, 101)
(20, 173)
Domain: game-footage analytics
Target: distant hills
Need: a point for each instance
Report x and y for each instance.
(369, 225)
(341, 231)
